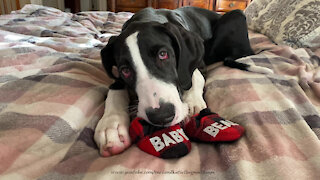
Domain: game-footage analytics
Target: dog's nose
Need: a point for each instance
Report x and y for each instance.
(162, 115)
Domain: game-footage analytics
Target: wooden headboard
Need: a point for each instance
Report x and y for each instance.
(6, 6)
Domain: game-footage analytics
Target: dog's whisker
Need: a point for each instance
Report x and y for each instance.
(132, 107)
(133, 112)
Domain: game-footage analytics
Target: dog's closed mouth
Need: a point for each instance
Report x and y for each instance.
(165, 122)
(168, 119)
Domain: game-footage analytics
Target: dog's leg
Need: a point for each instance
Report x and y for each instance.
(111, 134)
(194, 96)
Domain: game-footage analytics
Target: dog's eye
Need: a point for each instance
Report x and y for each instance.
(126, 72)
(163, 55)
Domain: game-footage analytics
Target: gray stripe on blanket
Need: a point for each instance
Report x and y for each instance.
(3, 106)
(87, 136)
(55, 79)
(268, 81)
(313, 121)
(54, 127)
(13, 120)
(275, 117)
(57, 175)
(36, 78)
(12, 90)
(261, 59)
(61, 132)
(21, 50)
(4, 79)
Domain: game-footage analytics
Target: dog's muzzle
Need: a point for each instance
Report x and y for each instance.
(162, 115)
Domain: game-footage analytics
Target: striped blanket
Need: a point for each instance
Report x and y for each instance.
(53, 87)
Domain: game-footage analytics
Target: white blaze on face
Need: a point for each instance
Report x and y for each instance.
(150, 89)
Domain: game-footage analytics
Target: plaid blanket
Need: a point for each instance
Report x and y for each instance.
(53, 87)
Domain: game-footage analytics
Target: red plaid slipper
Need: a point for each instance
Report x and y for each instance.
(210, 127)
(163, 142)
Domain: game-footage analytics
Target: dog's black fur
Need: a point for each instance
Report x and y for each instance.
(194, 37)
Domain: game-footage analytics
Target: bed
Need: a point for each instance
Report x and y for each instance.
(53, 87)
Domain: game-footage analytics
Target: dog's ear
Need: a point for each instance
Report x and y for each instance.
(189, 51)
(108, 60)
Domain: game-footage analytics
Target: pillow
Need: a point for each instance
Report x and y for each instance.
(292, 22)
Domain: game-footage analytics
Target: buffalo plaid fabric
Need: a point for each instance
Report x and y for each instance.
(163, 142)
(210, 127)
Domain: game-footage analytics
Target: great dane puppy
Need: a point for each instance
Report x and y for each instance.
(160, 58)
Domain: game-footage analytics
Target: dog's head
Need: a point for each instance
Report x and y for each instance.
(156, 61)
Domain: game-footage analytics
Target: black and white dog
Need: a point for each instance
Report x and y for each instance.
(160, 56)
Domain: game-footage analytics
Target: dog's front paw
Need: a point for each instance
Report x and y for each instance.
(195, 103)
(112, 135)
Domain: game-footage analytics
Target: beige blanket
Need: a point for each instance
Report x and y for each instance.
(53, 87)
